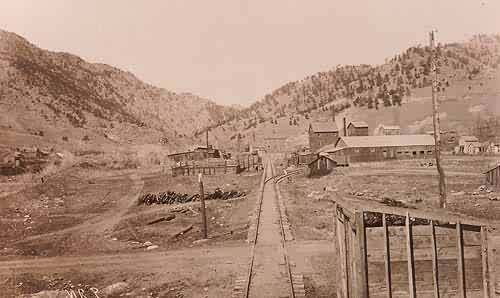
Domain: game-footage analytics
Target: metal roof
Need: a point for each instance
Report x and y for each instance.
(381, 141)
(358, 124)
(324, 127)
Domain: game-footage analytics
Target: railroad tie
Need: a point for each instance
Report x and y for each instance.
(298, 285)
(239, 289)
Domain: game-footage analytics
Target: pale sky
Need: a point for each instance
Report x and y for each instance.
(236, 51)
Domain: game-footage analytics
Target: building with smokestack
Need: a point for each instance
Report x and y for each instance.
(322, 134)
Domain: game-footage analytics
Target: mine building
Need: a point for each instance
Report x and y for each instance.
(198, 153)
(357, 128)
(322, 134)
(387, 130)
(468, 145)
(380, 148)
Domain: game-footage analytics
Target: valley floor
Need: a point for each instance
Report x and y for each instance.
(83, 228)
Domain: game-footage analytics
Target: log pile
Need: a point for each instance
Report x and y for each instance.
(171, 197)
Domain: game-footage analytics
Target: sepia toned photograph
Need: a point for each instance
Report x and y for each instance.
(249, 149)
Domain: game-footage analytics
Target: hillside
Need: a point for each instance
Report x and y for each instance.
(396, 92)
(47, 92)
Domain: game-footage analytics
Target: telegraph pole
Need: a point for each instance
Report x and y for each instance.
(436, 124)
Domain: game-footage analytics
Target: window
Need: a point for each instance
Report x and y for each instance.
(429, 152)
(406, 152)
(400, 152)
(414, 153)
(422, 152)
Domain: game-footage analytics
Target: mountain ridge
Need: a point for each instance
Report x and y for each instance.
(61, 86)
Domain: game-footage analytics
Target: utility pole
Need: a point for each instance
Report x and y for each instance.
(203, 211)
(436, 123)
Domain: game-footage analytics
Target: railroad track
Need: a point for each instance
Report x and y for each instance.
(294, 282)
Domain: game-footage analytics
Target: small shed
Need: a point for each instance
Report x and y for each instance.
(468, 145)
(386, 130)
(357, 128)
(322, 165)
(493, 175)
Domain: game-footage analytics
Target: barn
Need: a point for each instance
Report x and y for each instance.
(380, 148)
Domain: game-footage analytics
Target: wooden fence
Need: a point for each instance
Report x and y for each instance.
(248, 163)
(395, 252)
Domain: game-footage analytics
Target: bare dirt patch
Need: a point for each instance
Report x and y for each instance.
(228, 220)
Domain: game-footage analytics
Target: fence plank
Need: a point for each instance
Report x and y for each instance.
(484, 257)
(344, 276)
(387, 260)
(338, 254)
(409, 252)
(435, 269)
(362, 266)
(460, 261)
(348, 253)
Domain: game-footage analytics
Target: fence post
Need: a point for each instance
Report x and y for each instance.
(409, 252)
(484, 257)
(435, 268)
(361, 256)
(336, 249)
(344, 272)
(460, 261)
(203, 211)
(388, 278)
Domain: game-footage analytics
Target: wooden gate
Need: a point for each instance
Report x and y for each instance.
(396, 252)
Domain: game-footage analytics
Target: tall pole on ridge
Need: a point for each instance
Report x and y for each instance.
(436, 123)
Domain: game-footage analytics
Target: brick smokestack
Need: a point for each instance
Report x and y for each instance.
(345, 127)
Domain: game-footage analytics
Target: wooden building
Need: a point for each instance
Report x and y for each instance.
(387, 130)
(491, 146)
(380, 148)
(493, 175)
(198, 153)
(468, 145)
(322, 134)
(323, 164)
(357, 128)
